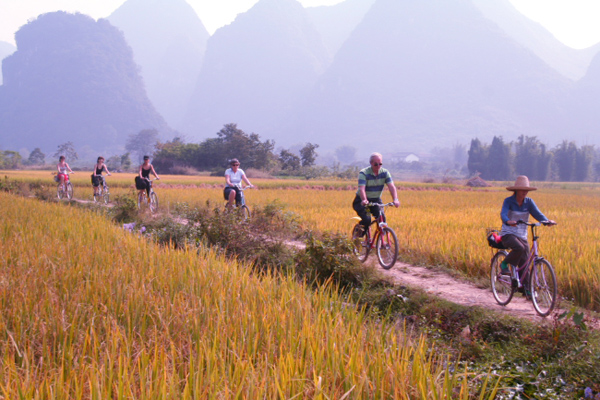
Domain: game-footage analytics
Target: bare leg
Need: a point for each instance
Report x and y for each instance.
(231, 200)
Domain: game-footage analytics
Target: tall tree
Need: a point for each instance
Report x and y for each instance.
(142, 144)
(308, 154)
(289, 161)
(36, 157)
(498, 160)
(565, 155)
(68, 150)
(583, 163)
(477, 161)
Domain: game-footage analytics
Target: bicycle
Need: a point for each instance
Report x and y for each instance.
(102, 192)
(384, 240)
(143, 198)
(241, 206)
(541, 288)
(62, 191)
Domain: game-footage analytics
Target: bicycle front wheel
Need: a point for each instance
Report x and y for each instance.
(544, 290)
(387, 248)
(59, 192)
(106, 197)
(141, 200)
(69, 191)
(244, 212)
(153, 202)
(360, 245)
(501, 284)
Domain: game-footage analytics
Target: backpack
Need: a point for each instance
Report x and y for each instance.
(495, 240)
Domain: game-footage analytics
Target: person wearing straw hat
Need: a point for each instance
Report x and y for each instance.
(515, 208)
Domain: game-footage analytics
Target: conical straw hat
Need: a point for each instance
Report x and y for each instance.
(522, 183)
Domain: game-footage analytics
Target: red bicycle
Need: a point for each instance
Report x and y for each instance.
(384, 239)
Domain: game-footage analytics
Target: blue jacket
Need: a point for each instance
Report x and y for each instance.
(511, 211)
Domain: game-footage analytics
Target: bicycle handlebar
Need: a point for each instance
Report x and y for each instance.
(380, 204)
(545, 223)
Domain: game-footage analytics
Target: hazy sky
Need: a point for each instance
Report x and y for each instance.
(574, 22)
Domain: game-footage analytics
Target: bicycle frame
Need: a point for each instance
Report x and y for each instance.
(380, 224)
(521, 272)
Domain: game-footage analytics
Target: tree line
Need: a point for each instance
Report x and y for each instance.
(527, 155)
(231, 142)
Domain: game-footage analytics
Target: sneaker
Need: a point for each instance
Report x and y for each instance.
(504, 269)
(359, 231)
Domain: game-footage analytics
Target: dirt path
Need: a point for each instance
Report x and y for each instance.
(442, 285)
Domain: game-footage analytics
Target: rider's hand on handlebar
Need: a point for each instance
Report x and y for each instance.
(511, 223)
(549, 222)
(365, 202)
(396, 203)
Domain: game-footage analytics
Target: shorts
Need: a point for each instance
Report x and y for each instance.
(238, 194)
(66, 177)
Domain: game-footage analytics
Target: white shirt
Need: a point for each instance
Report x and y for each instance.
(235, 177)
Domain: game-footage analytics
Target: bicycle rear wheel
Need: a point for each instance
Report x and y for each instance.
(153, 202)
(387, 248)
(69, 191)
(244, 212)
(501, 284)
(360, 245)
(544, 290)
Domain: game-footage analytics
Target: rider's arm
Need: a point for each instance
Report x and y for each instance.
(363, 194)
(504, 212)
(140, 173)
(228, 179)
(153, 171)
(70, 170)
(245, 179)
(362, 184)
(394, 193)
(535, 211)
(106, 169)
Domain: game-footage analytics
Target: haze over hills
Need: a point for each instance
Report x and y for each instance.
(336, 23)
(72, 79)
(168, 41)
(6, 49)
(256, 69)
(572, 63)
(432, 72)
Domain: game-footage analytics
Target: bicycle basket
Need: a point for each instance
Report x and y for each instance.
(494, 239)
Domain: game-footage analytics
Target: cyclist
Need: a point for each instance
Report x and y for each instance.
(518, 207)
(62, 168)
(371, 182)
(234, 177)
(98, 169)
(142, 181)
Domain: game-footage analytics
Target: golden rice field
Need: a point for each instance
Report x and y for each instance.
(436, 224)
(89, 311)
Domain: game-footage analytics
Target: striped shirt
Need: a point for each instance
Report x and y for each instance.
(373, 184)
(511, 211)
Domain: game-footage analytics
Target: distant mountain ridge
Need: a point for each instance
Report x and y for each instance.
(6, 49)
(572, 63)
(335, 23)
(256, 69)
(168, 41)
(432, 72)
(72, 79)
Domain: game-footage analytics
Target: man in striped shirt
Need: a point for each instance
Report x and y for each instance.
(371, 182)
